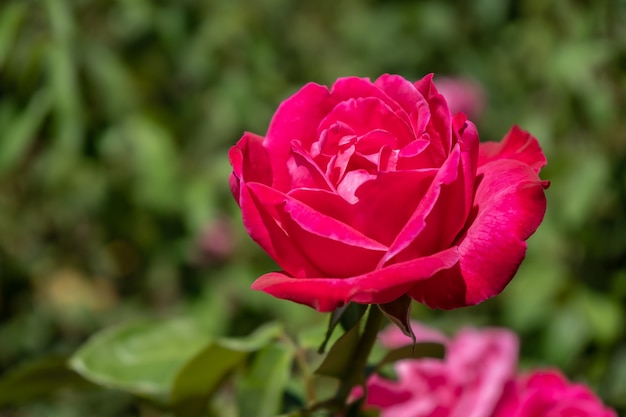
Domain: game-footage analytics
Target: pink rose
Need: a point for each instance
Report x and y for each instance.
(217, 241)
(371, 190)
(548, 394)
(468, 382)
(463, 95)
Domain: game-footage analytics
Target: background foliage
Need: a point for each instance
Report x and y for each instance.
(116, 118)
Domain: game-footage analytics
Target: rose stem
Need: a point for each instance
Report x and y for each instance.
(356, 371)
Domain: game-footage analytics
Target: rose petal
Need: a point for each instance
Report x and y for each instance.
(332, 136)
(510, 204)
(297, 118)
(446, 219)
(366, 114)
(400, 90)
(426, 86)
(548, 393)
(261, 221)
(385, 203)
(409, 97)
(517, 144)
(250, 162)
(354, 87)
(333, 247)
(376, 287)
(328, 203)
(304, 172)
(338, 165)
(482, 362)
(351, 182)
(374, 140)
(384, 393)
(408, 243)
(439, 129)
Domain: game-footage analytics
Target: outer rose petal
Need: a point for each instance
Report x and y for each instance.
(329, 245)
(259, 218)
(251, 163)
(376, 287)
(510, 204)
(517, 144)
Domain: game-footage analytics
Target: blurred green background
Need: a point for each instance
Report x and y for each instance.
(115, 122)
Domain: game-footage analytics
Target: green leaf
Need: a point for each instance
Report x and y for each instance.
(413, 351)
(155, 160)
(65, 88)
(202, 374)
(36, 379)
(142, 358)
(10, 21)
(337, 362)
(20, 134)
(348, 316)
(260, 391)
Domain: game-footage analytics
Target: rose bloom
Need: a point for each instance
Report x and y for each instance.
(468, 382)
(369, 191)
(547, 393)
(476, 378)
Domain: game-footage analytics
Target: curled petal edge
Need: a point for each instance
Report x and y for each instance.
(377, 287)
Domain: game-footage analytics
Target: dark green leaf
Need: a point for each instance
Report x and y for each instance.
(20, 135)
(37, 379)
(348, 316)
(337, 361)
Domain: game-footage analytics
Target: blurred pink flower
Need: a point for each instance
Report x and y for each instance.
(217, 241)
(463, 95)
(547, 393)
(476, 378)
(468, 382)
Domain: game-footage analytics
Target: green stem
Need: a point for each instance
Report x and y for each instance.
(356, 374)
(307, 374)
